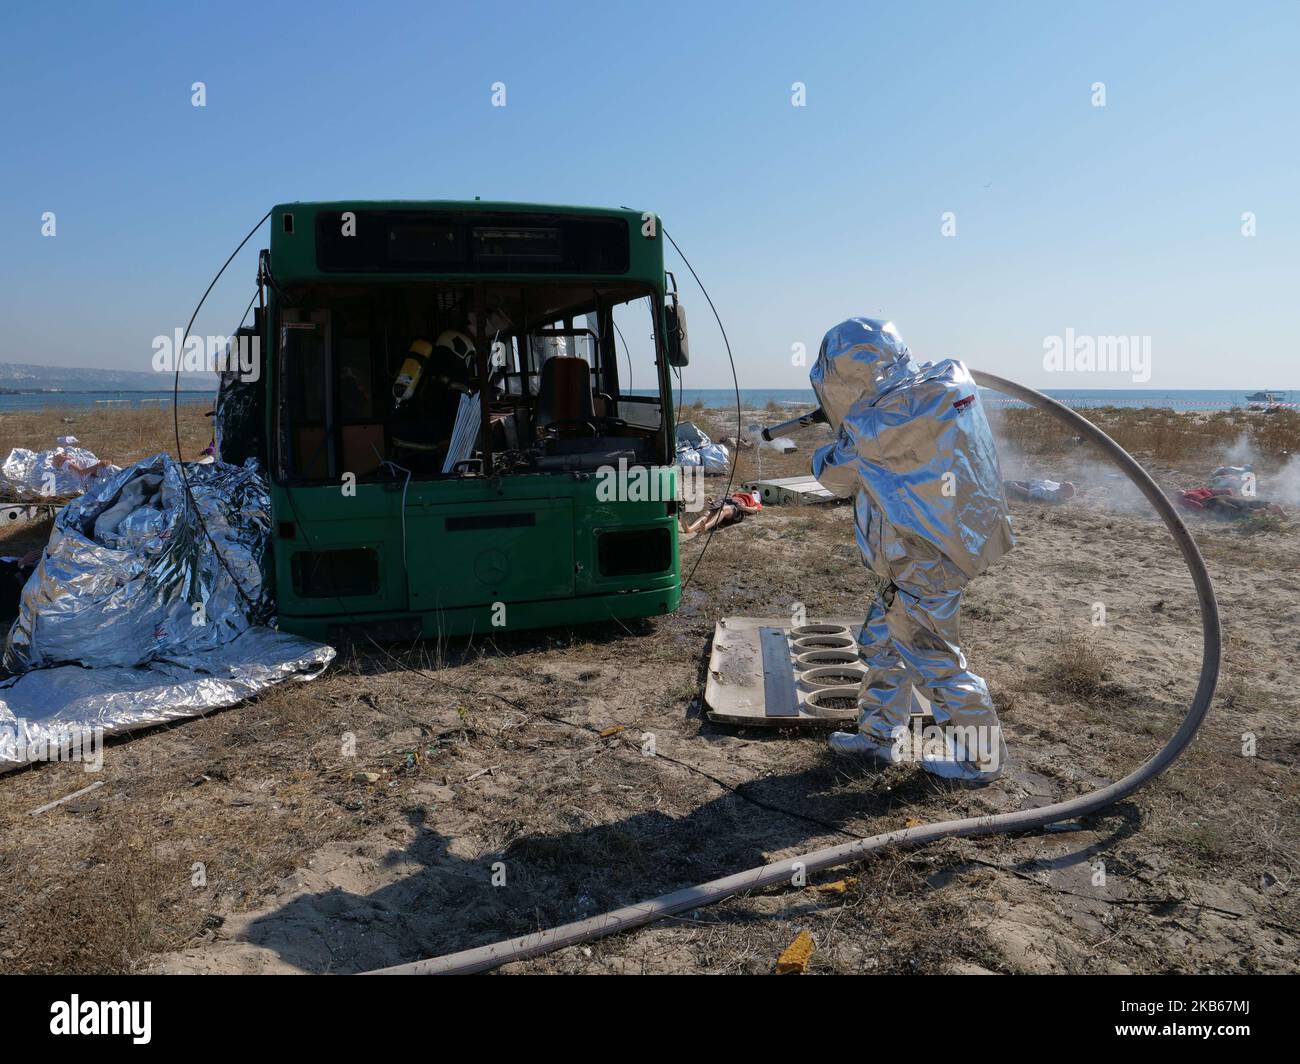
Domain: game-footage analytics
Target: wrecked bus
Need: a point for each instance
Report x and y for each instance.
(445, 408)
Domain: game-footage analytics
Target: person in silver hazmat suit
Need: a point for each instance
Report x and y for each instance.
(914, 449)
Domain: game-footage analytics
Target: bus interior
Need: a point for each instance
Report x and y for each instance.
(445, 380)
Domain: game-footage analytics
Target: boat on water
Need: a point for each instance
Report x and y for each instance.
(1263, 400)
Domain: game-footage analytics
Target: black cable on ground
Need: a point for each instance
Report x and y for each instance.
(733, 789)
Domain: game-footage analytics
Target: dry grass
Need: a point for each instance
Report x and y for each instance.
(242, 798)
(1261, 523)
(102, 912)
(1074, 667)
(1163, 435)
(120, 434)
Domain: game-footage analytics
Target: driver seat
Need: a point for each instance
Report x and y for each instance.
(564, 395)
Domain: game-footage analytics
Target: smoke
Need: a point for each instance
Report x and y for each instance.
(1275, 481)
(1239, 452)
(1101, 486)
(1284, 485)
(1098, 482)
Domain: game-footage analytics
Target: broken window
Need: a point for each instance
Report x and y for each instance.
(516, 378)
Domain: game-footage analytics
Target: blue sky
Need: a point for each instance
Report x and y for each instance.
(1123, 220)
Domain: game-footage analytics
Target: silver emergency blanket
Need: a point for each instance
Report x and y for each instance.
(60, 471)
(131, 618)
(129, 574)
(696, 448)
(64, 713)
(914, 449)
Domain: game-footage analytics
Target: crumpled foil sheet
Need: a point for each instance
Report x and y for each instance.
(60, 708)
(58, 472)
(129, 576)
(130, 618)
(695, 448)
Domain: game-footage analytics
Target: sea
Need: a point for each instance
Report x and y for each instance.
(797, 399)
(46, 400)
(793, 399)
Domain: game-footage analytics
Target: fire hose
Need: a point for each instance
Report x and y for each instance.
(483, 958)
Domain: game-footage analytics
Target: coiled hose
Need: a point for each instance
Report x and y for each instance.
(483, 958)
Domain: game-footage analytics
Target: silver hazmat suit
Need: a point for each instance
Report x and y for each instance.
(914, 449)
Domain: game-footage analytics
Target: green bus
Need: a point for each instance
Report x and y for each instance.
(444, 405)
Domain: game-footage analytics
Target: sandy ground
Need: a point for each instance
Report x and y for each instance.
(420, 800)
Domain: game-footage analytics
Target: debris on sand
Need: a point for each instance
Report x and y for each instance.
(62, 471)
(794, 959)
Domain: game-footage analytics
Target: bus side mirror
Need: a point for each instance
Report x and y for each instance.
(679, 344)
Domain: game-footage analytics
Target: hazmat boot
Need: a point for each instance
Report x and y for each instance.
(851, 744)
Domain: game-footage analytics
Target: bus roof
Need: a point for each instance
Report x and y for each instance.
(451, 205)
(306, 245)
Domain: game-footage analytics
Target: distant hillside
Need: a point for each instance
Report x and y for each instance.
(17, 376)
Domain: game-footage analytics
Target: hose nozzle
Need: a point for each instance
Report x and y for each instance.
(816, 417)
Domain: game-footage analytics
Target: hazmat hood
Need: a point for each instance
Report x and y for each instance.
(860, 360)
